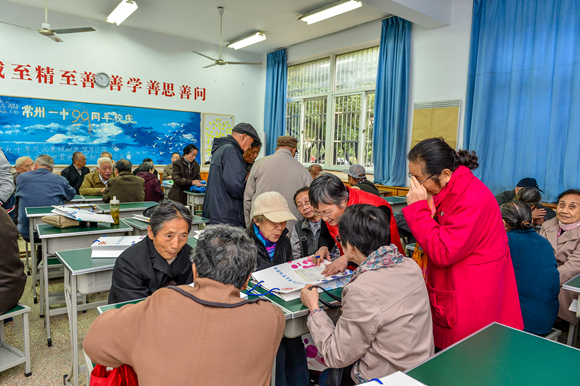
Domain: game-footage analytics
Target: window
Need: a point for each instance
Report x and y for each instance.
(331, 107)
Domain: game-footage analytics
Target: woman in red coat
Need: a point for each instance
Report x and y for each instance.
(470, 276)
(330, 197)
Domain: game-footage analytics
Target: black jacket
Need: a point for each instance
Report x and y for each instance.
(226, 182)
(367, 186)
(282, 254)
(73, 177)
(140, 271)
(183, 173)
(12, 276)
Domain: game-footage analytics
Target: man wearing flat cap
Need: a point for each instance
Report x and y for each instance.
(223, 203)
(279, 172)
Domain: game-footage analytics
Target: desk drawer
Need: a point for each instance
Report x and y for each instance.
(94, 282)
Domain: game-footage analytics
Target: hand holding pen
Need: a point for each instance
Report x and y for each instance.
(320, 255)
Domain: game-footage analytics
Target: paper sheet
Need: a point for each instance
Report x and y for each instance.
(82, 215)
(396, 379)
(573, 306)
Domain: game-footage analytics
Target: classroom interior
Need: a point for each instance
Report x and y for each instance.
(156, 43)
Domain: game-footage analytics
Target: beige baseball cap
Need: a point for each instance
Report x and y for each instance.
(273, 206)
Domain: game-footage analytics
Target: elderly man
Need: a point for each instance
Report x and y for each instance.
(22, 165)
(95, 182)
(168, 169)
(357, 178)
(251, 154)
(224, 196)
(279, 172)
(199, 333)
(76, 172)
(6, 182)
(315, 170)
(125, 186)
(40, 187)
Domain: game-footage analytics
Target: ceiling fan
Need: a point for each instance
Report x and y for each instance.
(52, 33)
(220, 60)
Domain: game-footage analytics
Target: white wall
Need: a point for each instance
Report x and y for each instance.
(439, 57)
(237, 90)
(439, 62)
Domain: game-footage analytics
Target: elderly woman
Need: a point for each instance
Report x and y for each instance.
(386, 323)
(186, 173)
(270, 212)
(563, 233)
(469, 273)
(532, 197)
(535, 268)
(157, 261)
(330, 197)
(153, 190)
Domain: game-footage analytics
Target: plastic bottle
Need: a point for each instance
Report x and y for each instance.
(115, 209)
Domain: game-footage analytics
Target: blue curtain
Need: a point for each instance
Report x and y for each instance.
(391, 103)
(275, 104)
(522, 112)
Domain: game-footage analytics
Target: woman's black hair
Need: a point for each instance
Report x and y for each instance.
(569, 191)
(365, 227)
(517, 215)
(327, 189)
(436, 155)
(528, 195)
(189, 148)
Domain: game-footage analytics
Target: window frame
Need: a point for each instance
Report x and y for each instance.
(331, 109)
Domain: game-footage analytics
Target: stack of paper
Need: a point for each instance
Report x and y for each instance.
(289, 278)
(81, 215)
(141, 218)
(110, 247)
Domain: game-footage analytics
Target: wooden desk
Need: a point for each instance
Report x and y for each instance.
(501, 356)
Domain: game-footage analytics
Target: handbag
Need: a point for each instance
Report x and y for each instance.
(327, 304)
(120, 376)
(60, 221)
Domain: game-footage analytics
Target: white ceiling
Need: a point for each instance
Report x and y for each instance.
(199, 19)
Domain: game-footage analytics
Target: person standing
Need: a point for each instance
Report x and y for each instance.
(76, 172)
(186, 173)
(251, 154)
(470, 276)
(279, 172)
(226, 181)
(7, 186)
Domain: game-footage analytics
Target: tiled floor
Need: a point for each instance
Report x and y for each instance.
(49, 364)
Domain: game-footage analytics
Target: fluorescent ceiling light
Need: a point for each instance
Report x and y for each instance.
(247, 41)
(123, 11)
(331, 10)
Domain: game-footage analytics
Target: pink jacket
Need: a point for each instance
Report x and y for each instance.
(470, 276)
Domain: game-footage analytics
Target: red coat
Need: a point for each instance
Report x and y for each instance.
(357, 196)
(470, 276)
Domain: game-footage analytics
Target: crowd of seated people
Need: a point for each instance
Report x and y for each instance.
(483, 259)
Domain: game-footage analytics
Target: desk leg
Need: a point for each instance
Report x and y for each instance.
(33, 258)
(46, 294)
(273, 380)
(27, 257)
(26, 343)
(71, 298)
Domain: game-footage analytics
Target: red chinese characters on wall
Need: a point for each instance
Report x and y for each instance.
(86, 79)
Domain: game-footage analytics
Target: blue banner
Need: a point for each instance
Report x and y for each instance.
(31, 127)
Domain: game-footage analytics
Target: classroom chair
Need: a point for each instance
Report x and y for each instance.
(10, 356)
(552, 335)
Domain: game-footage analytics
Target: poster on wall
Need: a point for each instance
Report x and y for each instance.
(31, 127)
(436, 119)
(215, 126)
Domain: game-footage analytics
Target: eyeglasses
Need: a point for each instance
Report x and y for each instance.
(421, 182)
(326, 213)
